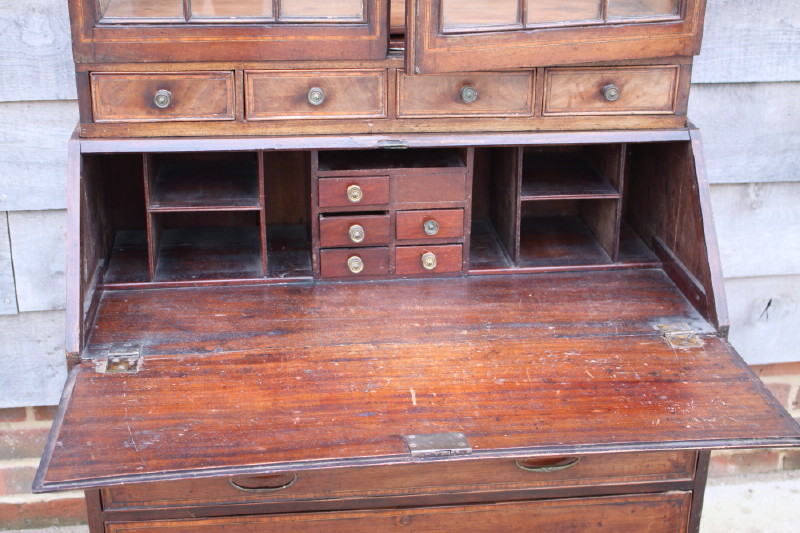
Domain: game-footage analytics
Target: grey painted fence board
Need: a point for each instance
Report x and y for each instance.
(38, 241)
(747, 41)
(750, 130)
(8, 295)
(765, 314)
(33, 154)
(35, 51)
(32, 359)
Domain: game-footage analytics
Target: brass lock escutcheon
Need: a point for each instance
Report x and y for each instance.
(431, 227)
(469, 94)
(356, 233)
(162, 99)
(611, 92)
(355, 264)
(316, 96)
(355, 194)
(428, 260)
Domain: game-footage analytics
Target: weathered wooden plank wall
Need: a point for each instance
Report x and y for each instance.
(746, 99)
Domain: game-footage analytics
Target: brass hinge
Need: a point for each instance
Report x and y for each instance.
(679, 335)
(437, 445)
(121, 358)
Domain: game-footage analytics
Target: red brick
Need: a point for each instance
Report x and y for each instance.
(744, 462)
(781, 392)
(777, 369)
(16, 480)
(791, 459)
(796, 401)
(45, 413)
(14, 414)
(22, 443)
(66, 512)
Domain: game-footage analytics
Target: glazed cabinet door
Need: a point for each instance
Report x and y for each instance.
(463, 35)
(228, 30)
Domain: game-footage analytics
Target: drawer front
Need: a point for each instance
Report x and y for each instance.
(357, 230)
(180, 96)
(486, 94)
(358, 263)
(430, 224)
(420, 187)
(590, 91)
(410, 479)
(286, 94)
(646, 513)
(353, 192)
(428, 259)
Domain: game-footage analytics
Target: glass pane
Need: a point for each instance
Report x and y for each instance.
(141, 9)
(231, 8)
(477, 15)
(641, 8)
(322, 9)
(549, 11)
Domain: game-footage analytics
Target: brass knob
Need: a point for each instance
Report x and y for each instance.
(356, 233)
(316, 96)
(469, 94)
(355, 264)
(162, 99)
(611, 92)
(431, 227)
(428, 260)
(355, 194)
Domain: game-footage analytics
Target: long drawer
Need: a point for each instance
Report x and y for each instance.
(410, 479)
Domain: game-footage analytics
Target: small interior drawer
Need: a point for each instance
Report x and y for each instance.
(353, 230)
(353, 192)
(419, 187)
(428, 259)
(611, 91)
(413, 479)
(360, 262)
(325, 94)
(177, 96)
(486, 94)
(430, 224)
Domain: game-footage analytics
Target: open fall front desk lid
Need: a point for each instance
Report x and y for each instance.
(261, 379)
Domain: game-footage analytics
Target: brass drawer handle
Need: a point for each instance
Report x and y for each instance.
(468, 94)
(355, 194)
(428, 260)
(611, 92)
(316, 96)
(162, 99)
(431, 227)
(554, 467)
(355, 264)
(356, 233)
(263, 490)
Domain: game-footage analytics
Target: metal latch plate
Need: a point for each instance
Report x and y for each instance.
(679, 336)
(437, 445)
(122, 357)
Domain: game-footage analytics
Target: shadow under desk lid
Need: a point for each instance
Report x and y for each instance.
(261, 379)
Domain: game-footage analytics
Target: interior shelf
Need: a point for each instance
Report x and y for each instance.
(559, 241)
(562, 176)
(206, 186)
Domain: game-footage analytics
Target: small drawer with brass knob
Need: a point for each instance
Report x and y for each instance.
(416, 260)
(353, 192)
(430, 224)
(355, 263)
(356, 230)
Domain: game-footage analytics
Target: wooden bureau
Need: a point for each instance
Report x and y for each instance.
(369, 266)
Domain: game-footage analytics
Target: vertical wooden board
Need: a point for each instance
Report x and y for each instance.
(33, 154)
(35, 51)
(38, 244)
(750, 131)
(32, 359)
(8, 294)
(746, 41)
(758, 225)
(765, 313)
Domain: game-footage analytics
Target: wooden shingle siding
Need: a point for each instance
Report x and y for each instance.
(8, 295)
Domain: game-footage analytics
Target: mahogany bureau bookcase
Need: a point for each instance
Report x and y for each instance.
(353, 265)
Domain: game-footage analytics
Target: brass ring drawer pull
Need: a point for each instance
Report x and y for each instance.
(316, 96)
(162, 99)
(355, 264)
(355, 194)
(356, 233)
(431, 227)
(428, 260)
(263, 490)
(468, 94)
(611, 92)
(544, 469)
